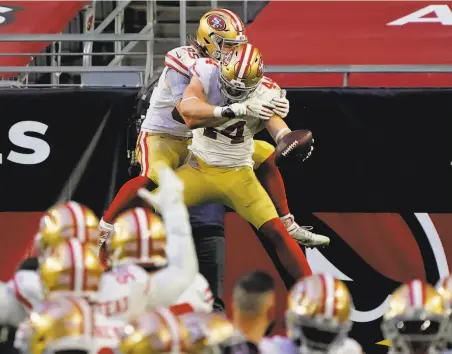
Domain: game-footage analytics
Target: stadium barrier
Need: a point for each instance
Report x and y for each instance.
(378, 181)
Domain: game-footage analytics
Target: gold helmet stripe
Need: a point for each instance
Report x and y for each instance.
(237, 21)
(329, 288)
(244, 62)
(78, 217)
(417, 293)
(77, 265)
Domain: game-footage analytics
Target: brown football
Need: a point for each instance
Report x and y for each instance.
(296, 143)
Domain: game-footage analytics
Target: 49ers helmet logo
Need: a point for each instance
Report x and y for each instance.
(216, 22)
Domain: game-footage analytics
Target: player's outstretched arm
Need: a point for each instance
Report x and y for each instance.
(168, 284)
(277, 128)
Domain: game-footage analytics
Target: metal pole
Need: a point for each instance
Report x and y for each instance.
(213, 4)
(119, 29)
(346, 79)
(149, 44)
(55, 61)
(121, 6)
(129, 47)
(245, 12)
(88, 25)
(183, 22)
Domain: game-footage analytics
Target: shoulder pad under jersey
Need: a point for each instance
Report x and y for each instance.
(204, 69)
(181, 58)
(27, 288)
(267, 89)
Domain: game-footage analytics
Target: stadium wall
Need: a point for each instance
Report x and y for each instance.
(378, 183)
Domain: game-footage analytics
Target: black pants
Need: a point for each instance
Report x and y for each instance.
(210, 249)
(7, 335)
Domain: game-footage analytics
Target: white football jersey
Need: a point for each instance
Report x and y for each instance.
(19, 296)
(123, 292)
(280, 345)
(106, 336)
(230, 144)
(162, 115)
(197, 298)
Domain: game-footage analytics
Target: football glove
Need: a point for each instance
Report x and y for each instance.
(235, 110)
(281, 104)
(260, 109)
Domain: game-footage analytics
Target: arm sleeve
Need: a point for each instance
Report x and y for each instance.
(177, 83)
(167, 285)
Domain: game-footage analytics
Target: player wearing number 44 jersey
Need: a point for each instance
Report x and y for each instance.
(143, 276)
(221, 166)
(165, 133)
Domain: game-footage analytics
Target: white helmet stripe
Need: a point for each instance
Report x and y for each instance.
(88, 316)
(173, 327)
(417, 293)
(236, 19)
(76, 249)
(144, 232)
(246, 58)
(329, 294)
(80, 226)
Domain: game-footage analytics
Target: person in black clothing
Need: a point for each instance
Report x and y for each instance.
(207, 223)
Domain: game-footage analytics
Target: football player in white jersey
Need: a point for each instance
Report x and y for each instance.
(148, 270)
(61, 222)
(165, 133)
(416, 321)
(65, 221)
(317, 319)
(70, 325)
(72, 269)
(221, 166)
